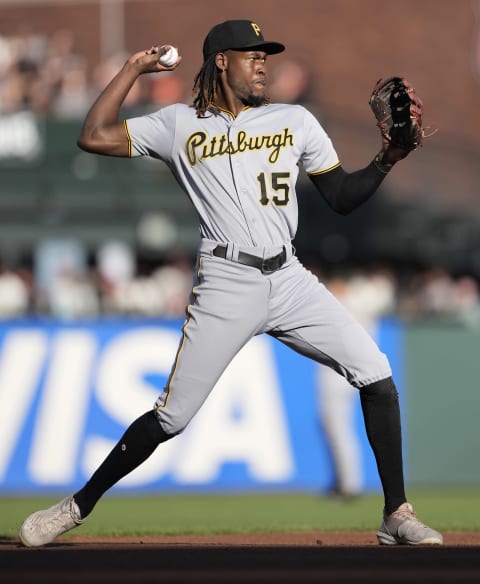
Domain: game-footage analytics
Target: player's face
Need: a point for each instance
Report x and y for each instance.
(247, 76)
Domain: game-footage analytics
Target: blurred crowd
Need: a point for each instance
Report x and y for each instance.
(428, 294)
(118, 283)
(49, 77)
(64, 284)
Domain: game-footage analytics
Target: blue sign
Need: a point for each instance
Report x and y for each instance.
(68, 391)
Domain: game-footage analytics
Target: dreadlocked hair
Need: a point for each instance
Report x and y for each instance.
(204, 86)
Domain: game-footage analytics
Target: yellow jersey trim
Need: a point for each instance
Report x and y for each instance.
(228, 112)
(129, 138)
(326, 169)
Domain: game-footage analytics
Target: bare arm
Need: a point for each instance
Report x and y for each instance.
(102, 131)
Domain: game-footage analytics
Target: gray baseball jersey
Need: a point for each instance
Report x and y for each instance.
(240, 174)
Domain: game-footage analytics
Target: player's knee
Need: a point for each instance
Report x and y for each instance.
(170, 425)
(382, 389)
(172, 428)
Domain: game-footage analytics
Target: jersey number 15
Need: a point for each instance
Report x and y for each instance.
(279, 185)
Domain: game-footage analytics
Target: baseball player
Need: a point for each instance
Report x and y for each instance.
(236, 156)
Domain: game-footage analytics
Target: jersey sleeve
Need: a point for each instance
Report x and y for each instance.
(153, 134)
(319, 154)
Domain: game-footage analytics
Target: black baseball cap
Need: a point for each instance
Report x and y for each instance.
(238, 35)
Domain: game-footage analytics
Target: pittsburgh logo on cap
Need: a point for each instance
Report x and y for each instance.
(256, 28)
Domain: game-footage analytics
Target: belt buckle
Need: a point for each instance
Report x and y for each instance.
(271, 264)
(266, 266)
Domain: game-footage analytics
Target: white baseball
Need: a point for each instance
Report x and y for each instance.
(170, 57)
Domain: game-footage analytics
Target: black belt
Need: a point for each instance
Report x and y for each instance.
(263, 264)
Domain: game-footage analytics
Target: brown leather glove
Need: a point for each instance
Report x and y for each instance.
(398, 111)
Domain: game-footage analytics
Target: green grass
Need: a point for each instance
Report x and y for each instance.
(446, 510)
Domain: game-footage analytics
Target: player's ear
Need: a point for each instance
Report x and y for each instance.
(221, 61)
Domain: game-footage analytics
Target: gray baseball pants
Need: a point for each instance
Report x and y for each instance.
(232, 302)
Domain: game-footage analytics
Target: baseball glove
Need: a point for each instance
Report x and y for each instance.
(398, 111)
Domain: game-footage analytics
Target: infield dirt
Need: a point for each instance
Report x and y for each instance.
(287, 558)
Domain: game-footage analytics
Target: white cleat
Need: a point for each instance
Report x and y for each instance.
(44, 526)
(403, 527)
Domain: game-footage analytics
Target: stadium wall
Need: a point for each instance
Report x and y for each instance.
(68, 390)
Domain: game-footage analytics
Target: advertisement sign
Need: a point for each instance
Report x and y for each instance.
(68, 391)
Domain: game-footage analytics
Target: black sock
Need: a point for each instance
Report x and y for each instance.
(381, 412)
(137, 443)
